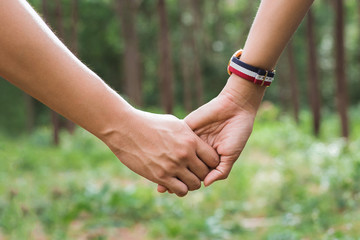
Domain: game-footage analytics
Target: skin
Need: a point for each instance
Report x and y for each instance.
(226, 122)
(160, 148)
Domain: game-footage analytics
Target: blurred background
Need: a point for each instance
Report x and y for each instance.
(298, 178)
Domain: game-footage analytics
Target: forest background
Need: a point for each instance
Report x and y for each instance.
(170, 56)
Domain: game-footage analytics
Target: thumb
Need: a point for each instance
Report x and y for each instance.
(202, 116)
(221, 172)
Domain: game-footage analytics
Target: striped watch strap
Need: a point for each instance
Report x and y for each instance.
(256, 75)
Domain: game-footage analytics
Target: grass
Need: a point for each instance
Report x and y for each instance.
(286, 185)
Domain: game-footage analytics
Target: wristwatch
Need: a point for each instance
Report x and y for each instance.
(256, 75)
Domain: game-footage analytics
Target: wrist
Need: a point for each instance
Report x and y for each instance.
(243, 93)
(114, 126)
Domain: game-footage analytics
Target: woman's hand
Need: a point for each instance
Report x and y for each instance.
(226, 123)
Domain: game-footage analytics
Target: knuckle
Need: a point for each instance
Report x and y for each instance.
(190, 141)
(224, 176)
(182, 153)
(161, 174)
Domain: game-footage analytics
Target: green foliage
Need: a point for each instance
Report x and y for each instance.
(286, 185)
(12, 107)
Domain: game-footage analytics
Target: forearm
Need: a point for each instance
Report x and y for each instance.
(274, 24)
(226, 122)
(160, 148)
(35, 60)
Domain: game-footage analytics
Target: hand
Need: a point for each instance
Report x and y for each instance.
(164, 150)
(226, 123)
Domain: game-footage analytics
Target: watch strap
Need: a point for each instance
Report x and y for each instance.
(254, 74)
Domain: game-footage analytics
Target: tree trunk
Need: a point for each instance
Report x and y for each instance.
(283, 92)
(313, 80)
(59, 19)
(196, 43)
(340, 73)
(30, 112)
(45, 10)
(293, 81)
(74, 44)
(186, 72)
(55, 120)
(186, 57)
(126, 10)
(165, 68)
(219, 24)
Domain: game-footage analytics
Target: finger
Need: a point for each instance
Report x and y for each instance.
(207, 154)
(189, 179)
(176, 186)
(221, 172)
(161, 188)
(199, 168)
(194, 121)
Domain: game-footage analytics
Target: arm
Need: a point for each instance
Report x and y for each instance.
(159, 147)
(274, 24)
(226, 122)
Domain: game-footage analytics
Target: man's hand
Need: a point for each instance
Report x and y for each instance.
(162, 149)
(226, 123)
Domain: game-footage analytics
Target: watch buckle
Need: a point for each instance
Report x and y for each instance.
(263, 81)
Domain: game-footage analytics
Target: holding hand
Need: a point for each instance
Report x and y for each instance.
(226, 123)
(162, 149)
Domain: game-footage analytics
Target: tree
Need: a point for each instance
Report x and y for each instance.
(74, 26)
(45, 10)
(126, 11)
(186, 54)
(313, 79)
(196, 40)
(59, 19)
(166, 72)
(293, 81)
(340, 73)
(186, 68)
